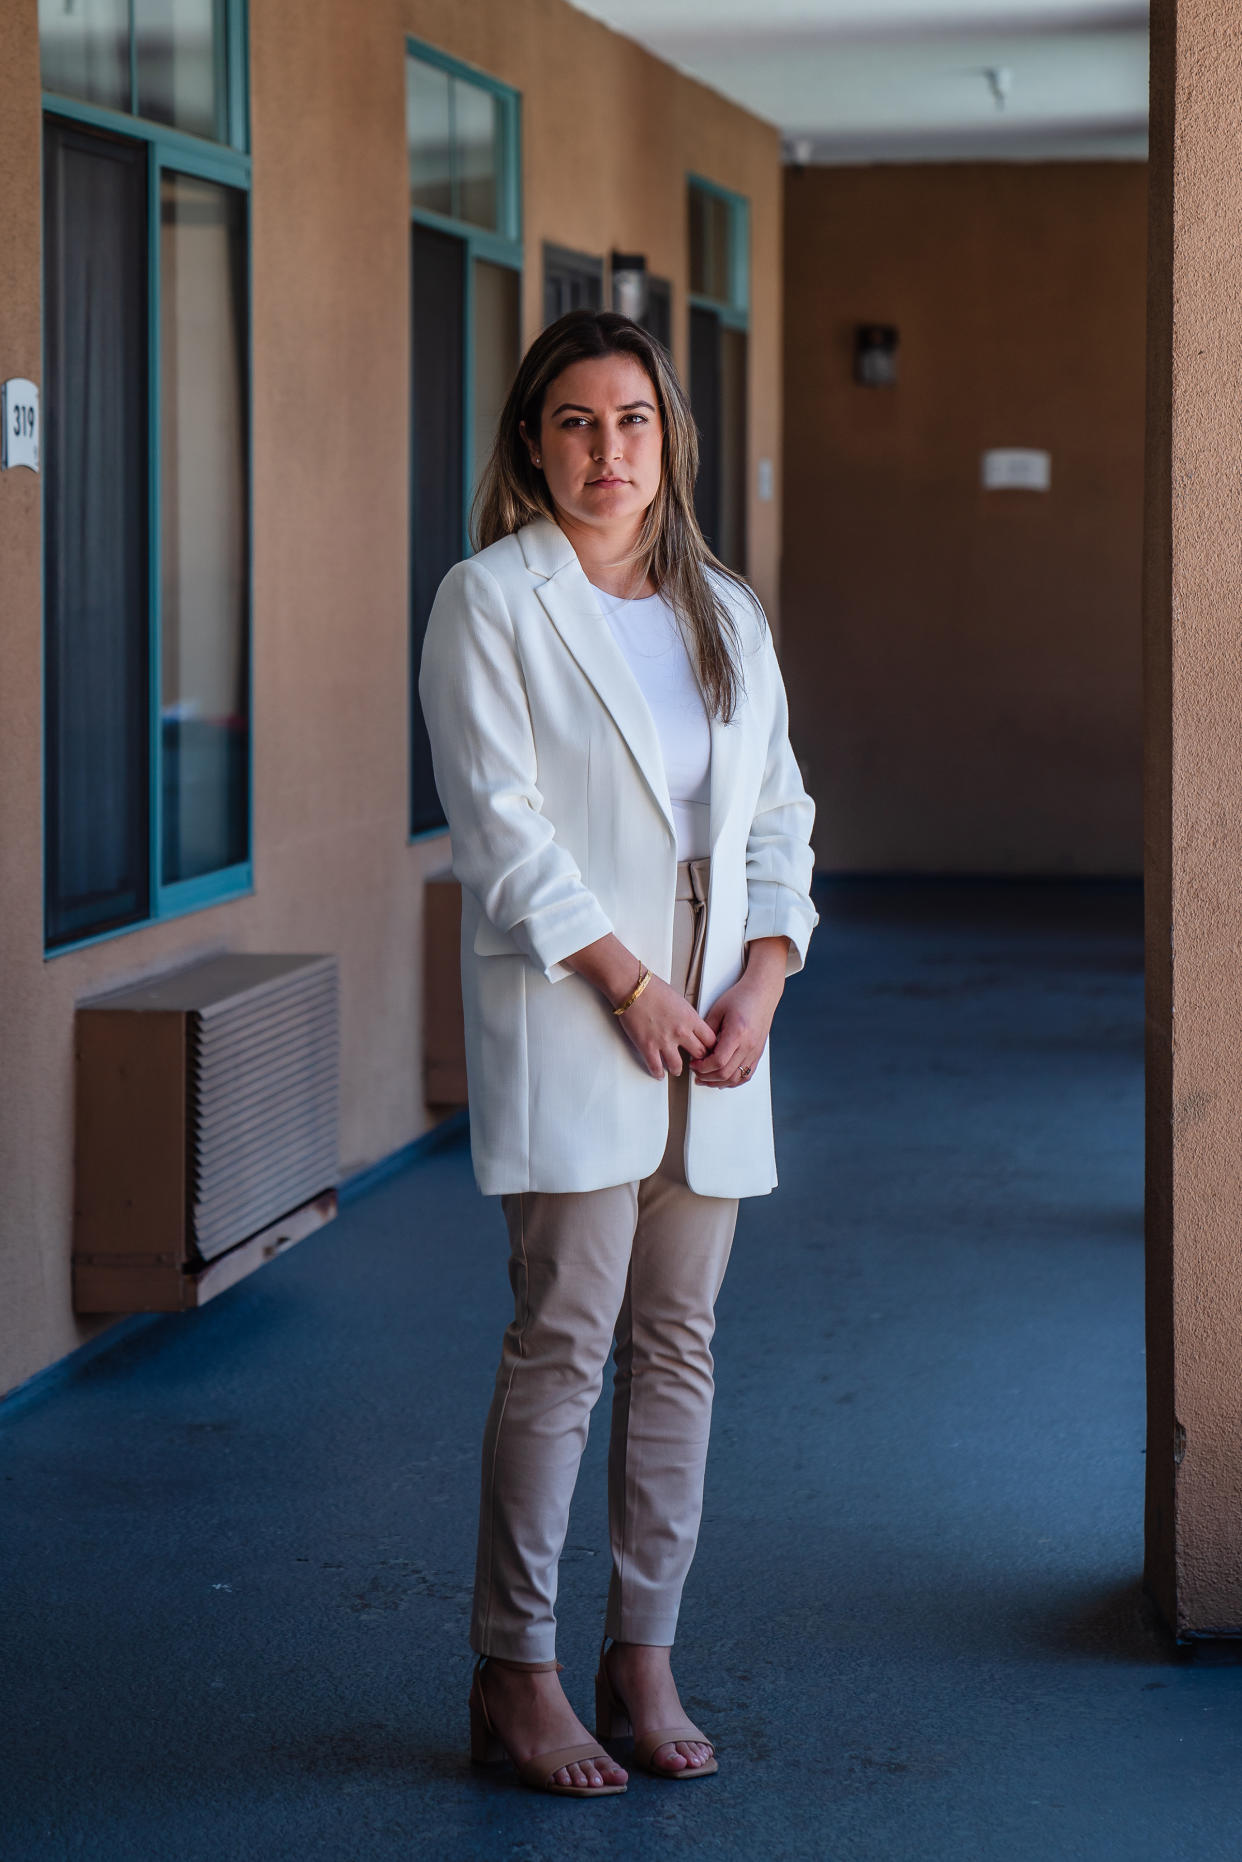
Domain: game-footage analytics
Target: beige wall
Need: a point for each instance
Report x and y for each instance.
(1193, 677)
(608, 137)
(965, 666)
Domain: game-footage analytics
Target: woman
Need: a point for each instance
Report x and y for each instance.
(608, 734)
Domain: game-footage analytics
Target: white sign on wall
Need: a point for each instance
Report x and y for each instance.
(19, 412)
(1017, 468)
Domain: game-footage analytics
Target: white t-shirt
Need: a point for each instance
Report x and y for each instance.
(648, 635)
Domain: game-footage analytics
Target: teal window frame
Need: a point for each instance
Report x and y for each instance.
(500, 247)
(227, 164)
(733, 311)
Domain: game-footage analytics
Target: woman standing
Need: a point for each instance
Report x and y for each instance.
(609, 737)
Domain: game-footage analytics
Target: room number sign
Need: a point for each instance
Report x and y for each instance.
(19, 411)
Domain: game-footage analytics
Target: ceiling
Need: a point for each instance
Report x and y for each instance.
(915, 80)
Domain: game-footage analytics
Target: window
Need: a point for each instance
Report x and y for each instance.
(571, 281)
(465, 277)
(146, 473)
(181, 63)
(719, 234)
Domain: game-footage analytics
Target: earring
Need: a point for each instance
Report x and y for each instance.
(538, 460)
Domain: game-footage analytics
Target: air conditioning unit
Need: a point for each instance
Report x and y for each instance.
(207, 1113)
(444, 1033)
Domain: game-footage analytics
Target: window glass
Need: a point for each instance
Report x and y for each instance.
(711, 254)
(84, 47)
(203, 532)
(437, 467)
(97, 727)
(475, 141)
(178, 46)
(428, 127)
(496, 346)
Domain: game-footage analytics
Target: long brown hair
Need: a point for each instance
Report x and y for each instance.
(671, 548)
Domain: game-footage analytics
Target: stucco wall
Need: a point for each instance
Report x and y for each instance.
(609, 135)
(966, 664)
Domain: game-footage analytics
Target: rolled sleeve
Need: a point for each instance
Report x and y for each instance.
(779, 859)
(483, 757)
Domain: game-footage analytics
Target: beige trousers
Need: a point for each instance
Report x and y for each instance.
(640, 1264)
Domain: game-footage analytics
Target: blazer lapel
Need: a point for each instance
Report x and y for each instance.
(570, 604)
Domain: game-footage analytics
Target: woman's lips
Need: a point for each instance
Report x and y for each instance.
(608, 481)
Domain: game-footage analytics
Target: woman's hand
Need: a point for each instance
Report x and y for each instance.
(660, 1024)
(742, 1018)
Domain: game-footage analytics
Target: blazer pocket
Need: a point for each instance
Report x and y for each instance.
(490, 942)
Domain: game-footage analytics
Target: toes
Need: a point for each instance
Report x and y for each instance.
(585, 1774)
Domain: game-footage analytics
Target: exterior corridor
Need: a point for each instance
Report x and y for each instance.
(236, 1556)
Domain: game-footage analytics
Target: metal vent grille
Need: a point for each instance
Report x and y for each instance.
(262, 1090)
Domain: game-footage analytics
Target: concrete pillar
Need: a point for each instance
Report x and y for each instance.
(1193, 701)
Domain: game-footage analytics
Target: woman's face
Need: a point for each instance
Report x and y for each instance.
(600, 439)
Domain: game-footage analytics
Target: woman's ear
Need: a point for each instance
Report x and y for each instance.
(535, 457)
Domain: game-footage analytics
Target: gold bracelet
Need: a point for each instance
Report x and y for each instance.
(630, 1000)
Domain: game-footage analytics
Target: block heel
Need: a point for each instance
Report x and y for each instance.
(485, 1747)
(612, 1721)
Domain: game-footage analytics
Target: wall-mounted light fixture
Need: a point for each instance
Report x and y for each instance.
(875, 355)
(629, 284)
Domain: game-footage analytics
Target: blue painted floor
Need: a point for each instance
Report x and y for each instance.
(236, 1550)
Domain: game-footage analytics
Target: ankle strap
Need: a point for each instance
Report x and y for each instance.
(528, 1668)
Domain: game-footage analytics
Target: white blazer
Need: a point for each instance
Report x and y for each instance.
(552, 779)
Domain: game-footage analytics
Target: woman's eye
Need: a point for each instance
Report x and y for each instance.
(575, 420)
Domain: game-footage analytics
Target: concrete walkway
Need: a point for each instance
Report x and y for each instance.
(236, 1551)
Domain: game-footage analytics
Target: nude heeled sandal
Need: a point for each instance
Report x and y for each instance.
(612, 1721)
(487, 1747)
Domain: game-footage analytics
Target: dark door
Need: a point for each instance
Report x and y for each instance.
(705, 398)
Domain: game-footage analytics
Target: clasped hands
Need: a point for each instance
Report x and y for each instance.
(723, 1047)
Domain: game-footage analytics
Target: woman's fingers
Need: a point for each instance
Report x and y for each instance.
(723, 1058)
